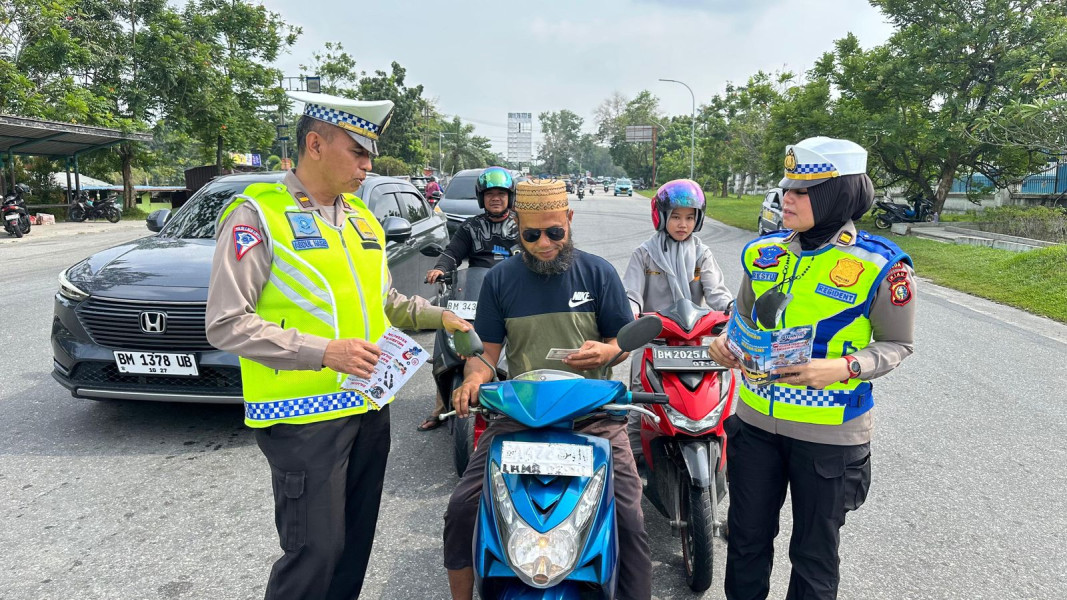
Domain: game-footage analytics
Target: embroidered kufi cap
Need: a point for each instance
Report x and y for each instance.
(817, 159)
(543, 195)
(364, 120)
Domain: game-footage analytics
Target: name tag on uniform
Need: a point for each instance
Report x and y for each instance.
(309, 243)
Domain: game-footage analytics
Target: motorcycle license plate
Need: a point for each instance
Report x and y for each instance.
(540, 458)
(156, 363)
(464, 309)
(684, 358)
(12, 217)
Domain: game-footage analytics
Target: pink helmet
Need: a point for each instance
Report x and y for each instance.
(680, 193)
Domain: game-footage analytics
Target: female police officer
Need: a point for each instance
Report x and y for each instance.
(810, 429)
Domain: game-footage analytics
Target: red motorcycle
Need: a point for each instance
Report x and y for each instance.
(685, 452)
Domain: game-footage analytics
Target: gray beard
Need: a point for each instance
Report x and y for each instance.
(560, 264)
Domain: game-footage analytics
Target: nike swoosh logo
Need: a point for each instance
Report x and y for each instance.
(572, 303)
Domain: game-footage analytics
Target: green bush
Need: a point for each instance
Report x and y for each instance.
(1035, 222)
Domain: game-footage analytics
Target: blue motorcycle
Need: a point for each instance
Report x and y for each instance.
(546, 519)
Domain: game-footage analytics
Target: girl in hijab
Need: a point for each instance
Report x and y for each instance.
(671, 265)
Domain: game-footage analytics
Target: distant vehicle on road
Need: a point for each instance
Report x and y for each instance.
(128, 321)
(770, 215)
(624, 186)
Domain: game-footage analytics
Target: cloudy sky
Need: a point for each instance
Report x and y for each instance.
(482, 59)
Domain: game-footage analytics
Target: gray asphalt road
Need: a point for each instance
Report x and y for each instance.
(140, 500)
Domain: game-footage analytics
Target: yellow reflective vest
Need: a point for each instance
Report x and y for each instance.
(833, 290)
(325, 281)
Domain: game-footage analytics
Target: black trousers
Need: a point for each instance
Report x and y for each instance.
(327, 479)
(825, 482)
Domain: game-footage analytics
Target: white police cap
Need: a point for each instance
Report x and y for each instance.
(817, 159)
(363, 120)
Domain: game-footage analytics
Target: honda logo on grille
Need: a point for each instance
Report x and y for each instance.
(153, 322)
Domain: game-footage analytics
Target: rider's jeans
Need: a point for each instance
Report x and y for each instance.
(635, 563)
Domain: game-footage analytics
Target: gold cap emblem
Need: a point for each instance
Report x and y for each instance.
(790, 160)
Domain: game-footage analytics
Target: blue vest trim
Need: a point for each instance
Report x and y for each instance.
(826, 329)
(300, 407)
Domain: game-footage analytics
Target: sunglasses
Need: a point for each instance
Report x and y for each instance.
(554, 233)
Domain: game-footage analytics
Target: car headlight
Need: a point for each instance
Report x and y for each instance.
(694, 426)
(542, 559)
(69, 290)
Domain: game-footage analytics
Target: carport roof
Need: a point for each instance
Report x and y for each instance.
(34, 137)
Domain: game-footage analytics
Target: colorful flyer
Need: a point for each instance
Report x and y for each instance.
(760, 352)
(401, 357)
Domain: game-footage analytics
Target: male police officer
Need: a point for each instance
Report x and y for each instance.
(810, 430)
(300, 290)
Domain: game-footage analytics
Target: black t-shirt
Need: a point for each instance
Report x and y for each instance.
(481, 242)
(539, 312)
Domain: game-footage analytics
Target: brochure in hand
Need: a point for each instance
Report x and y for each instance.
(762, 351)
(401, 357)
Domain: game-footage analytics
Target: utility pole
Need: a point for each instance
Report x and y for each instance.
(693, 129)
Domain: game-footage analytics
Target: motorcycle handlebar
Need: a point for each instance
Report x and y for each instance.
(649, 398)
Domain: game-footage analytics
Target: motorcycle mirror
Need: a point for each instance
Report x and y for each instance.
(468, 343)
(432, 250)
(638, 333)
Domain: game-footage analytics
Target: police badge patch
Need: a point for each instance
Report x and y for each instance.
(364, 229)
(846, 272)
(303, 225)
(244, 239)
(768, 257)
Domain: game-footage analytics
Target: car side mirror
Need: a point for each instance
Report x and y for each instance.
(432, 250)
(397, 229)
(637, 333)
(158, 219)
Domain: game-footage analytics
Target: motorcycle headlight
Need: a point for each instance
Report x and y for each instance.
(542, 559)
(69, 290)
(694, 426)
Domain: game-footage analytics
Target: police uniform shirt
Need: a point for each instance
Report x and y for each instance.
(893, 323)
(231, 320)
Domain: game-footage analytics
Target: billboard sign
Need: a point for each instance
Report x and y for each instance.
(639, 133)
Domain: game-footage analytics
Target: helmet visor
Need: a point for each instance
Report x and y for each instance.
(680, 194)
(496, 178)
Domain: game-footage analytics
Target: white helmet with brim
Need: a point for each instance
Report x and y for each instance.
(364, 120)
(817, 159)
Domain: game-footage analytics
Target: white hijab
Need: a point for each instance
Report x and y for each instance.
(677, 260)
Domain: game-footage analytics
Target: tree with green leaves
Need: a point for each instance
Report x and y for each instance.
(562, 140)
(461, 148)
(918, 99)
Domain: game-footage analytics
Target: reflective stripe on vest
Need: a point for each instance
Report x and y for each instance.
(833, 291)
(318, 285)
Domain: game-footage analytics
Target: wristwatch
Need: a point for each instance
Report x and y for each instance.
(853, 366)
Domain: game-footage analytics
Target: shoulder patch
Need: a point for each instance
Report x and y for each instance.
(899, 286)
(245, 237)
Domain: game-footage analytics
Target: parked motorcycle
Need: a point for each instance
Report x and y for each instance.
(458, 290)
(920, 211)
(16, 216)
(685, 449)
(546, 517)
(85, 207)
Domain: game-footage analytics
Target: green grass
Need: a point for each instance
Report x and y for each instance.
(1034, 281)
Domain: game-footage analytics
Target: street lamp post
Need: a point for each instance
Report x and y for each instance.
(693, 129)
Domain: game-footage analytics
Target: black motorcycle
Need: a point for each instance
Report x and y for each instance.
(581, 192)
(459, 289)
(85, 208)
(920, 211)
(16, 217)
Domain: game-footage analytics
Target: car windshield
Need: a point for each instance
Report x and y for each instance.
(462, 187)
(622, 182)
(196, 219)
